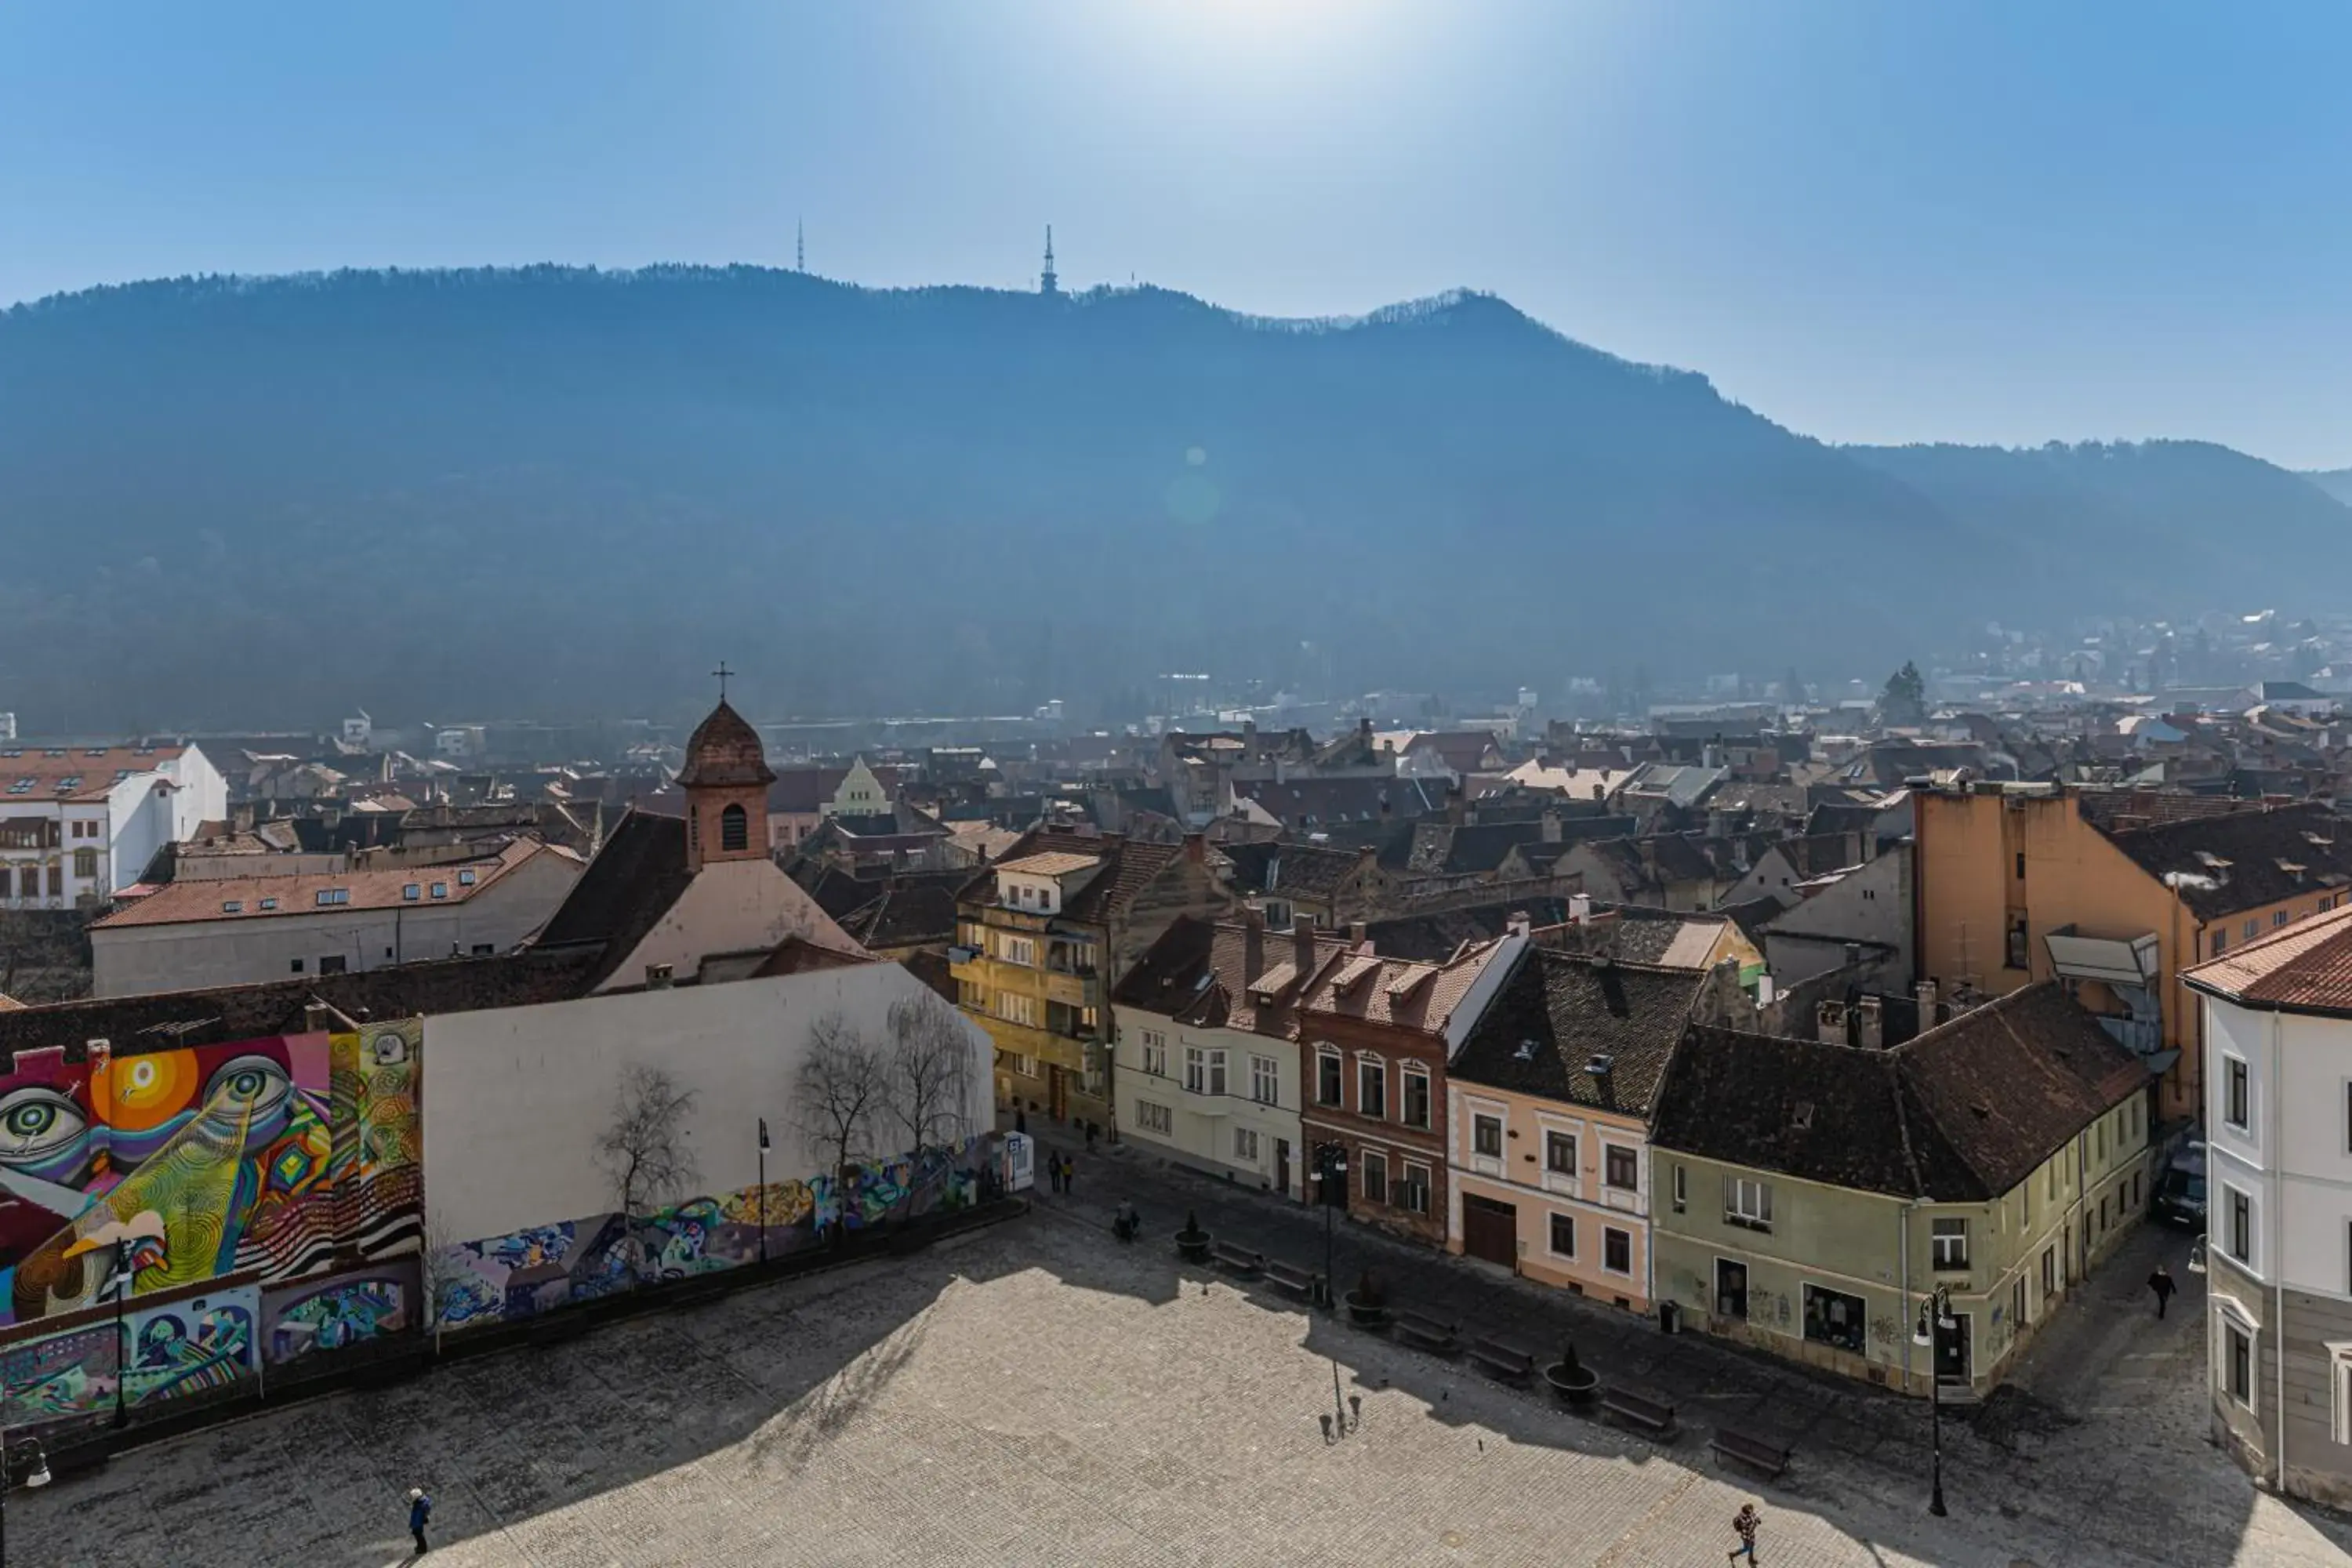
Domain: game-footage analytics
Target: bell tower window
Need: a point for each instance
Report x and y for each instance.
(734, 829)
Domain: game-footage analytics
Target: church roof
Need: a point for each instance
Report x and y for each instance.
(725, 751)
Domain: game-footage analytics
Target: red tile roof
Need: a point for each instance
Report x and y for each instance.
(264, 898)
(2306, 966)
(74, 773)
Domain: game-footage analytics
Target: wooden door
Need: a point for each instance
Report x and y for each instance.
(1490, 1230)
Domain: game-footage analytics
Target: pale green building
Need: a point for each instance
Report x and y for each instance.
(1816, 1194)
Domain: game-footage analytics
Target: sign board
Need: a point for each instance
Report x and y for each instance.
(1020, 1163)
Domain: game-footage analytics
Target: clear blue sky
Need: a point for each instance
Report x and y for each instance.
(1871, 219)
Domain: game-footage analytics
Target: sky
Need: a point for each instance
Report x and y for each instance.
(1871, 220)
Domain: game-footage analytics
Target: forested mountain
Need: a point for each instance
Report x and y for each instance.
(2337, 482)
(467, 494)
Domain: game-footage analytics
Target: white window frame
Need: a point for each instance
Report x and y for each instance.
(1368, 1160)
(1217, 1078)
(1155, 1053)
(1479, 1122)
(1150, 1116)
(1246, 1146)
(1681, 1186)
(1553, 1222)
(1573, 1176)
(1748, 1204)
(1020, 950)
(1413, 1183)
(1405, 1075)
(1608, 1144)
(2228, 1317)
(2252, 1256)
(1366, 1062)
(2339, 1392)
(1330, 1053)
(1940, 1253)
(2237, 1083)
(1606, 1231)
(1266, 1080)
(1196, 1070)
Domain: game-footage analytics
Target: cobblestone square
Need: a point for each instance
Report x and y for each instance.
(1037, 1394)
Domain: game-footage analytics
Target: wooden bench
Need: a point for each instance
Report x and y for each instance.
(1651, 1415)
(1505, 1361)
(1297, 1282)
(1428, 1332)
(1756, 1453)
(1240, 1259)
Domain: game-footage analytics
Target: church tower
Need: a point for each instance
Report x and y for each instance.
(726, 780)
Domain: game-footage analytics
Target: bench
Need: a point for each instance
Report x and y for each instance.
(1505, 1361)
(1240, 1259)
(1756, 1453)
(1299, 1282)
(1426, 1332)
(1651, 1415)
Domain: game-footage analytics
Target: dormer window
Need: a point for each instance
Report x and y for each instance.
(412, 893)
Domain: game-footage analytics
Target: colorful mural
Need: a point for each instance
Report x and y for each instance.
(193, 1345)
(501, 1278)
(268, 1157)
(333, 1314)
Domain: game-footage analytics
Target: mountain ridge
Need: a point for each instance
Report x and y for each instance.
(590, 484)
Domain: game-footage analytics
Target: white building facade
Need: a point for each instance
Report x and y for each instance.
(79, 824)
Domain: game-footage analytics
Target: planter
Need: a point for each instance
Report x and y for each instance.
(1192, 1245)
(1372, 1316)
(1576, 1385)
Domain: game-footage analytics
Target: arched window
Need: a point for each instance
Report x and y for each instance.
(734, 829)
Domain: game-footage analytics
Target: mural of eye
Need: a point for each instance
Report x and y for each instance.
(36, 1124)
(250, 1085)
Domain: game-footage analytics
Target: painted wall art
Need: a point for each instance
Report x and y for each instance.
(312, 1316)
(197, 1344)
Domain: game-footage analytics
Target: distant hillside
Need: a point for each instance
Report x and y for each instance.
(2337, 482)
(555, 490)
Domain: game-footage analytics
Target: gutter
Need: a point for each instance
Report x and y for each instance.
(2278, 1252)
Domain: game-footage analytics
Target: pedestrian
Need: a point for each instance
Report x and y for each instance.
(2161, 1283)
(1744, 1525)
(1053, 1170)
(420, 1509)
(1069, 1168)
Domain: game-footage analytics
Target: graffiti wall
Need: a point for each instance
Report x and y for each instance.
(312, 1316)
(197, 1344)
(500, 1278)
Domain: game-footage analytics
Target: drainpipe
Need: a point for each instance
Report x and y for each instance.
(2272, 1163)
(1903, 1252)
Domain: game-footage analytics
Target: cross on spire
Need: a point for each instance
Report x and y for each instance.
(722, 672)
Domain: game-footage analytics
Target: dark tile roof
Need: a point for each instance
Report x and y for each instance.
(1306, 804)
(2102, 808)
(1960, 1114)
(725, 751)
(1284, 867)
(1132, 868)
(839, 893)
(249, 1012)
(2220, 865)
(910, 910)
(1559, 1010)
(626, 890)
(1832, 816)
(1206, 973)
(1432, 936)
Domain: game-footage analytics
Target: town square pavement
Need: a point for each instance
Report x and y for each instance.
(1037, 1392)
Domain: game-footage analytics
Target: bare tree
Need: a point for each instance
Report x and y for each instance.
(644, 1149)
(931, 1076)
(842, 1088)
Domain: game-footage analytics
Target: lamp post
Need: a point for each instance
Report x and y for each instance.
(763, 1189)
(1331, 1188)
(1936, 1321)
(122, 1281)
(12, 1461)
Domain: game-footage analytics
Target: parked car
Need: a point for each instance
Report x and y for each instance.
(2181, 1191)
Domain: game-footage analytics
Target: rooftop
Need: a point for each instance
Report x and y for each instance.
(2304, 967)
(265, 898)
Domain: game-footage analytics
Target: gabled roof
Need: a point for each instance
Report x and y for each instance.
(1959, 1115)
(2303, 967)
(1402, 993)
(1229, 974)
(81, 774)
(236, 899)
(1559, 1010)
(1130, 866)
(2245, 859)
(911, 910)
(632, 883)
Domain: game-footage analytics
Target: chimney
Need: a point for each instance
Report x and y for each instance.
(1302, 944)
(1710, 755)
(1195, 847)
(1519, 924)
(1579, 906)
(1872, 1027)
(657, 977)
(1254, 915)
(1925, 991)
(1830, 1023)
(1359, 933)
(1718, 823)
(1853, 955)
(1550, 826)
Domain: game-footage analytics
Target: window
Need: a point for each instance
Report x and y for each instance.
(1376, 1177)
(2017, 946)
(734, 829)
(1216, 1072)
(296, 967)
(2278, 917)
(1413, 1191)
(1416, 1097)
(2339, 1392)
(387, 951)
(1246, 1145)
(1155, 1053)
(2020, 865)
(412, 893)
(2016, 1304)
(85, 864)
(1563, 1235)
(1616, 1250)
(331, 963)
(1560, 1154)
(1486, 1136)
(1020, 950)
(1682, 1189)
(484, 949)
(1949, 1245)
(1621, 1167)
(2240, 1360)
(440, 890)
(2051, 1170)
(2099, 1142)
(2242, 1226)
(2049, 1272)
(232, 906)
(269, 904)
(464, 878)
(2254, 928)
(1327, 1076)
(1835, 1318)
(2220, 942)
(1014, 1008)
(1746, 1203)
(1196, 1069)
(1372, 1090)
(56, 880)
(333, 896)
(1266, 1080)
(1154, 1118)
(2236, 1092)
(1020, 1063)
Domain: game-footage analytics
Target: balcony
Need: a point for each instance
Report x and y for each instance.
(2111, 960)
(1070, 989)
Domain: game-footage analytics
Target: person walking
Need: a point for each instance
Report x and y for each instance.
(1054, 1170)
(2161, 1283)
(420, 1512)
(1069, 1168)
(1743, 1524)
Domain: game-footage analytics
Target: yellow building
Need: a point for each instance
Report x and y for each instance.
(2115, 893)
(1040, 937)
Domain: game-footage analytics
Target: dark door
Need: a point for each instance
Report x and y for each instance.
(1730, 1289)
(1952, 1351)
(1057, 1093)
(1490, 1230)
(1282, 1166)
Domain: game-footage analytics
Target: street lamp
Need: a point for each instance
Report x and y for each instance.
(763, 1189)
(1936, 1321)
(13, 1462)
(1331, 1188)
(123, 1277)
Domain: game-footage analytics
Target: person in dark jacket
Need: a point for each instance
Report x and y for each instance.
(420, 1510)
(2161, 1283)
